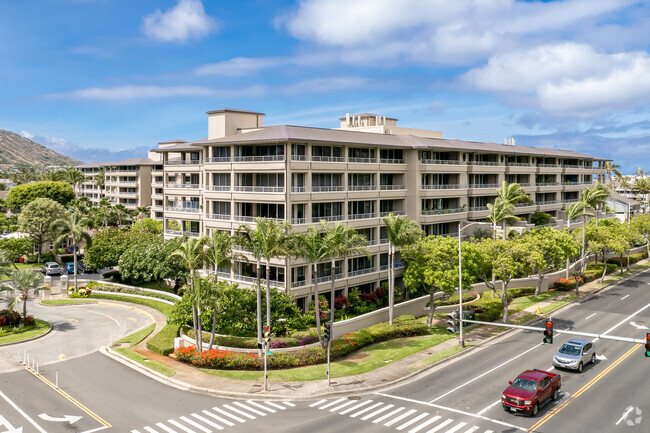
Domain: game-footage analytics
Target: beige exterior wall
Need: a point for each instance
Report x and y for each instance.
(222, 123)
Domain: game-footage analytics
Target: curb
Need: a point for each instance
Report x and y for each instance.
(30, 339)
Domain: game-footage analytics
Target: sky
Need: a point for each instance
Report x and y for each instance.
(106, 80)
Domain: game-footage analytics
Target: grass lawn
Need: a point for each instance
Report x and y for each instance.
(67, 301)
(524, 302)
(367, 359)
(40, 328)
(149, 363)
(443, 354)
(138, 336)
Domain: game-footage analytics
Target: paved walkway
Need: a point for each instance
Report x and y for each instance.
(408, 368)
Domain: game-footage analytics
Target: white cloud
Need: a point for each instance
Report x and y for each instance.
(568, 78)
(320, 85)
(439, 31)
(187, 20)
(238, 66)
(134, 92)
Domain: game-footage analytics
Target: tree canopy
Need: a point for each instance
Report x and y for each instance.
(21, 195)
(36, 220)
(109, 244)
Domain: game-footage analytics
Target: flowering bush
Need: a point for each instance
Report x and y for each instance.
(341, 301)
(29, 321)
(9, 318)
(564, 284)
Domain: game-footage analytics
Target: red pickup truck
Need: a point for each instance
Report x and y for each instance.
(530, 390)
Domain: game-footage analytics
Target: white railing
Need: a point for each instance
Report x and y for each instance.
(443, 211)
(362, 271)
(573, 200)
(329, 278)
(182, 209)
(219, 188)
(328, 218)
(217, 159)
(258, 158)
(489, 163)
(183, 162)
(297, 189)
(360, 216)
(370, 242)
(182, 233)
(383, 241)
(572, 166)
(392, 160)
(298, 221)
(548, 165)
(440, 161)
(362, 187)
(299, 157)
(242, 188)
(525, 204)
(547, 202)
(478, 208)
(394, 212)
(518, 164)
(251, 219)
(328, 158)
(447, 186)
(183, 186)
(542, 184)
(247, 279)
(570, 183)
(362, 160)
(298, 283)
(317, 188)
(392, 187)
(483, 185)
(218, 216)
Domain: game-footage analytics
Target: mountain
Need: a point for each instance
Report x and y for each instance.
(17, 150)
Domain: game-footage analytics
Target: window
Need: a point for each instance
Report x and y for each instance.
(298, 152)
(327, 153)
(395, 156)
(221, 208)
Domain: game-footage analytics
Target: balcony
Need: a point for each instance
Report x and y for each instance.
(447, 186)
(222, 188)
(298, 283)
(253, 280)
(251, 219)
(186, 209)
(328, 159)
(329, 278)
(298, 221)
(298, 189)
(360, 216)
(363, 160)
(394, 212)
(444, 211)
(392, 187)
(519, 164)
(183, 186)
(328, 218)
(216, 160)
(362, 272)
(485, 163)
(258, 158)
(218, 216)
(477, 208)
(183, 162)
(182, 233)
(484, 185)
(327, 188)
(362, 188)
(440, 161)
(242, 188)
(392, 160)
(299, 157)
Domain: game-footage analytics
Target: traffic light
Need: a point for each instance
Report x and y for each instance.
(548, 332)
(267, 334)
(453, 322)
(647, 345)
(328, 331)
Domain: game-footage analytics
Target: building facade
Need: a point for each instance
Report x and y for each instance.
(357, 174)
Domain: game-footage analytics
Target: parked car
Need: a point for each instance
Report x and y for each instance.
(575, 354)
(81, 268)
(530, 391)
(51, 268)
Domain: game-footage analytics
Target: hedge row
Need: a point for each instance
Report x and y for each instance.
(404, 326)
(297, 339)
(131, 291)
(163, 342)
(162, 307)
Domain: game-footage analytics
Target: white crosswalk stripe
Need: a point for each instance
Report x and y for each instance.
(197, 425)
(239, 412)
(457, 427)
(332, 403)
(250, 409)
(275, 405)
(412, 421)
(204, 420)
(342, 405)
(355, 407)
(473, 429)
(228, 414)
(388, 415)
(288, 403)
(441, 425)
(399, 418)
(180, 426)
(318, 403)
(424, 424)
(149, 429)
(362, 411)
(261, 406)
(377, 412)
(165, 428)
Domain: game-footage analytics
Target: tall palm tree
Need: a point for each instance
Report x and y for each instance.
(642, 186)
(121, 213)
(316, 246)
(401, 232)
(72, 226)
(191, 255)
(100, 179)
(25, 282)
(611, 170)
(500, 211)
(595, 197)
(268, 240)
(348, 242)
(574, 211)
(639, 172)
(512, 193)
(105, 206)
(219, 253)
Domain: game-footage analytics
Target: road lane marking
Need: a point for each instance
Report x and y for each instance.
(288, 403)
(473, 429)
(261, 406)
(399, 418)
(164, 427)
(624, 297)
(424, 424)
(332, 403)
(582, 390)
(355, 407)
(197, 425)
(341, 406)
(451, 409)
(590, 316)
(71, 399)
(489, 407)
(412, 421)
(218, 418)
(441, 426)
(182, 427)
(362, 411)
(228, 414)
(486, 373)
(237, 411)
(270, 403)
(250, 409)
(106, 315)
(317, 403)
(207, 421)
(377, 412)
(456, 427)
(388, 415)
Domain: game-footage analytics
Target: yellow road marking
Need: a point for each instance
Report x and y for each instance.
(582, 390)
(106, 315)
(72, 320)
(61, 356)
(134, 319)
(72, 400)
(146, 313)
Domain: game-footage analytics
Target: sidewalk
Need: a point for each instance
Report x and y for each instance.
(193, 379)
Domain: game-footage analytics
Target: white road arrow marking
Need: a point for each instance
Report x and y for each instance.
(66, 418)
(601, 357)
(7, 425)
(638, 326)
(625, 414)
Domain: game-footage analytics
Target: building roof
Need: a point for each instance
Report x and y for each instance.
(233, 110)
(274, 134)
(623, 199)
(132, 161)
(367, 115)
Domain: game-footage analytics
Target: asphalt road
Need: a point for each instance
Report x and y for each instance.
(461, 396)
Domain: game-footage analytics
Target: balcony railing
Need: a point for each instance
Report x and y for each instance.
(183, 186)
(383, 241)
(392, 187)
(250, 280)
(218, 188)
(488, 163)
(298, 283)
(548, 165)
(392, 160)
(444, 211)
(182, 233)
(371, 242)
(571, 200)
(360, 216)
(483, 185)
(218, 216)
(394, 212)
(525, 204)
(183, 162)
(547, 183)
(217, 159)
(328, 158)
(362, 187)
(572, 166)
(477, 208)
(243, 188)
(362, 271)
(440, 161)
(362, 160)
(547, 202)
(329, 278)
(258, 158)
(518, 164)
(299, 157)
(298, 221)
(446, 186)
(329, 188)
(182, 209)
(251, 219)
(297, 189)
(327, 218)
(571, 183)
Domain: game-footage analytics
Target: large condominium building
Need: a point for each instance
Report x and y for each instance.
(358, 173)
(127, 182)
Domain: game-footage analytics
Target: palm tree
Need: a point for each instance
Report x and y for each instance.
(25, 282)
(220, 253)
(595, 197)
(268, 240)
(348, 242)
(611, 170)
(73, 226)
(500, 211)
(642, 186)
(315, 246)
(624, 183)
(142, 213)
(574, 211)
(105, 207)
(401, 232)
(639, 172)
(191, 255)
(100, 179)
(512, 193)
(121, 213)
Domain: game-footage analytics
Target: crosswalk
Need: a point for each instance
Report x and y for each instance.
(217, 418)
(397, 417)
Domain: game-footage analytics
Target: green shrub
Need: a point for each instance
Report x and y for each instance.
(160, 306)
(487, 308)
(31, 258)
(521, 291)
(540, 218)
(163, 342)
(107, 287)
(47, 257)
